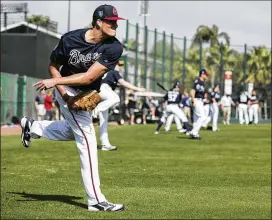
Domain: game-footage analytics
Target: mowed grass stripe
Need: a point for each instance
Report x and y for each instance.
(225, 175)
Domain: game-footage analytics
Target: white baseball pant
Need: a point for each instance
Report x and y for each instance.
(253, 113)
(76, 126)
(243, 114)
(169, 121)
(208, 117)
(215, 112)
(199, 115)
(176, 110)
(110, 98)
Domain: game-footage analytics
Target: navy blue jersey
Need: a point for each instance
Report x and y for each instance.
(111, 78)
(253, 98)
(173, 97)
(243, 98)
(199, 88)
(215, 95)
(206, 101)
(76, 55)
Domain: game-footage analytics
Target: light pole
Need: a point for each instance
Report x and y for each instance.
(69, 15)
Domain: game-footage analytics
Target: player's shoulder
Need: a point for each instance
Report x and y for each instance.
(113, 43)
(196, 80)
(74, 34)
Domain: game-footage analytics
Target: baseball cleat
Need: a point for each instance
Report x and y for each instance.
(108, 148)
(182, 130)
(106, 206)
(195, 136)
(26, 124)
(156, 132)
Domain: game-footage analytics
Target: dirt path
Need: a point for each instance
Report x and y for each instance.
(16, 130)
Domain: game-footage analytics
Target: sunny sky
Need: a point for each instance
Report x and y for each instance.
(245, 21)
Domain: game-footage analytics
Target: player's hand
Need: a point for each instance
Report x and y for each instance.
(141, 89)
(45, 84)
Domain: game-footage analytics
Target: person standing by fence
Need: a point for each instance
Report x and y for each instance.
(39, 105)
(226, 103)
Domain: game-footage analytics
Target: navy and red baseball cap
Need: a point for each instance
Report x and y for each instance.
(106, 12)
(203, 71)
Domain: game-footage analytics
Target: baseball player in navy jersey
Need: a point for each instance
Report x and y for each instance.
(173, 98)
(253, 107)
(243, 107)
(215, 98)
(197, 96)
(78, 63)
(110, 98)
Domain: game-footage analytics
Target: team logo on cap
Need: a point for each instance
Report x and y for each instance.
(100, 14)
(114, 11)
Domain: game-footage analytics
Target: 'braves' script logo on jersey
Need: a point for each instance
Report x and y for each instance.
(76, 57)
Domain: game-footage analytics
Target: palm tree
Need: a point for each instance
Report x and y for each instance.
(259, 65)
(209, 35)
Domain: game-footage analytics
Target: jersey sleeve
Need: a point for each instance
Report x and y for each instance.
(117, 76)
(58, 54)
(111, 56)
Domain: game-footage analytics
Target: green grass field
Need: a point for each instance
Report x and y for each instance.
(226, 175)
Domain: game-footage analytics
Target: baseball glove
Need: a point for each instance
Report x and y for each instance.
(85, 101)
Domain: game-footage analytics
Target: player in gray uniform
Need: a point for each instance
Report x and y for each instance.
(110, 99)
(253, 107)
(173, 98)
(79, 62)
(243, 107)
(197, 96)
(215, 98)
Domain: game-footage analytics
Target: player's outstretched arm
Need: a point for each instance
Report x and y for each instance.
(128, 85)
(54, 71)
(94, 72)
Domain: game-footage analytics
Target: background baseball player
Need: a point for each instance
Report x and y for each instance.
(173, 98)
(243, 107)
(253, 109)
(207, 110)
(83, 65)
(110, 98)
(197, 96)
(215, 98)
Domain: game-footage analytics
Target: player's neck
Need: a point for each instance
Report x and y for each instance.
(94, 36)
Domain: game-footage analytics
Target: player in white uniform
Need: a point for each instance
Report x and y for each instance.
(110, 98)
(215, 97)
(197, 96)
(83, 65)
(207, 110)
(173, 98)
(243, 107)
(253, 107)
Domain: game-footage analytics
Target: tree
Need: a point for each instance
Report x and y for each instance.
(259, 65)
(39, 20)
(205, 34)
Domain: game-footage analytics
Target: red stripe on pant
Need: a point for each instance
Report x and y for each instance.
(88, 148)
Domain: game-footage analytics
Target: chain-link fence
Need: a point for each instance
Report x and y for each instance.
(156, 57)
(17, 96)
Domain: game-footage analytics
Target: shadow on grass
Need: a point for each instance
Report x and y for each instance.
(58, 198)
